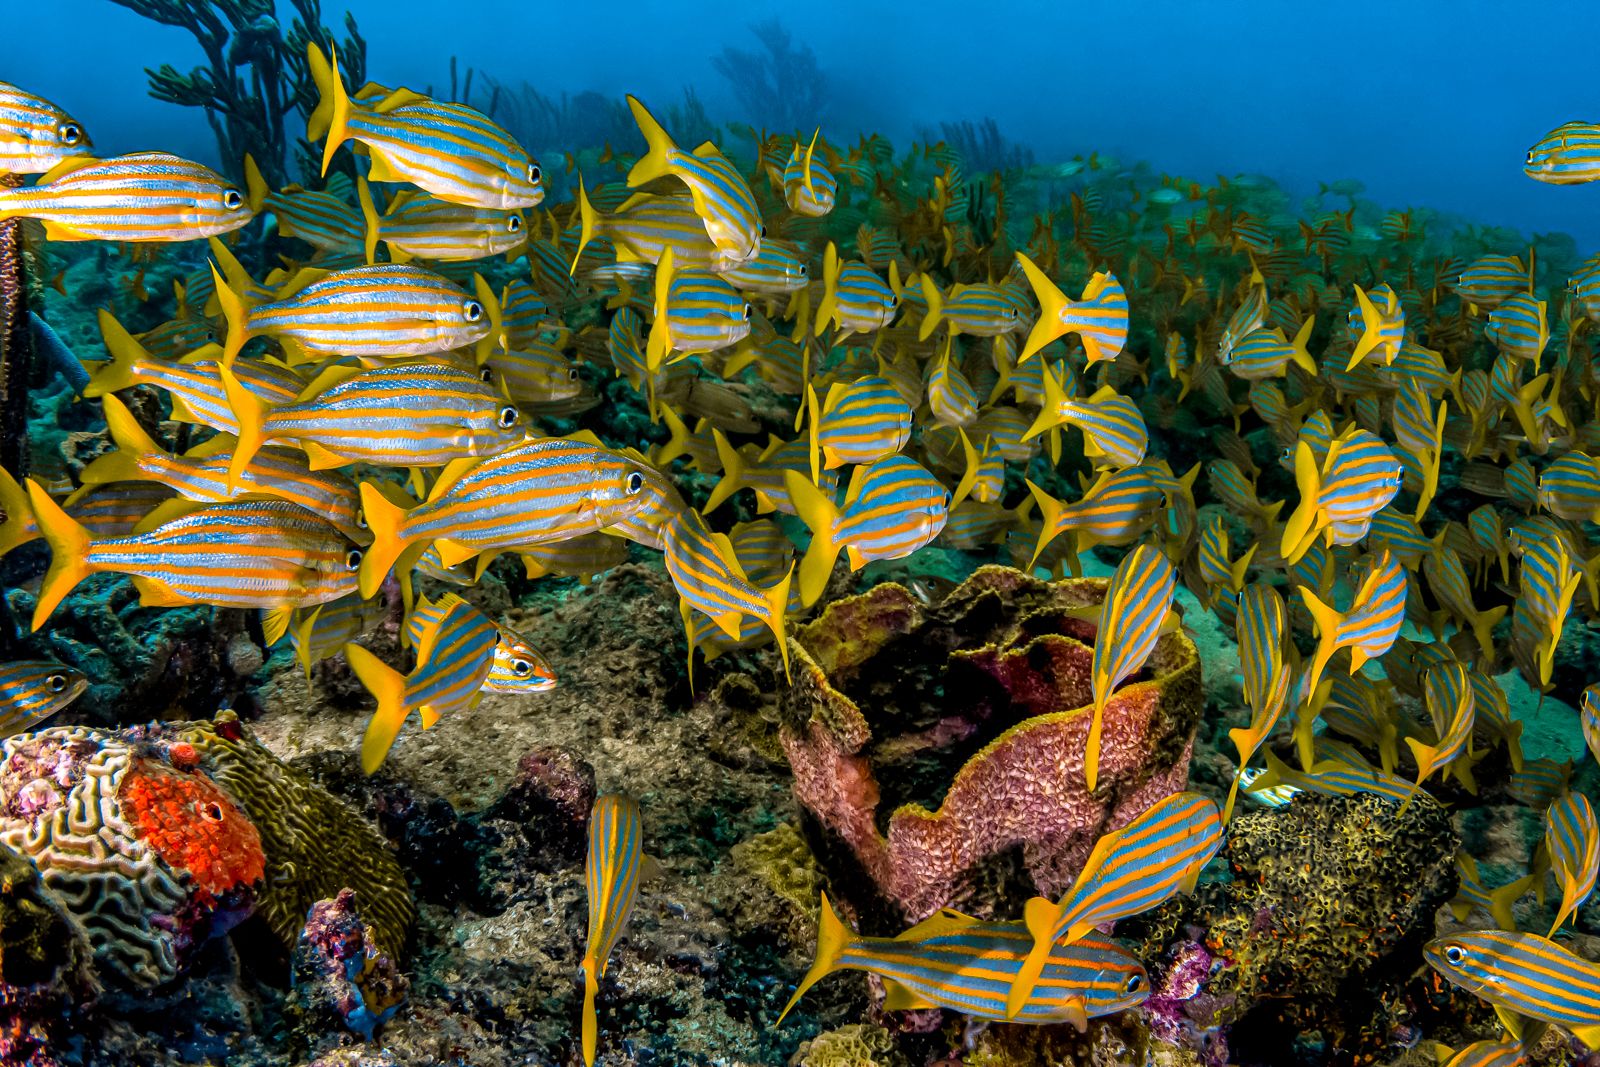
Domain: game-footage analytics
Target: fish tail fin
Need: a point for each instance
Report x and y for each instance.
(820, 514)
(656, 161)
(388, 688)
(1501, 900)
(1091, 747)
(833, 937)
(121, 465)
(1042, 918)
(1277, 773)
(930, 321)
(1371, 323)
(829, 307)
(250, 412)
(1300, 354)
(733, 473)
(777, 598)
(659, 345)
(255, 185)
(126, 353)
(589, 225)
(236, 314)
(386, 521)
(19, 514)
(969, 477)
(1241, 567)
(1483, 624)
(813, 409)
(1301, 526)
(1050, 511)
(1425, 755)
(1233, 790)
(591, 987)
(369, 214)
(1328, 622)
(331, 117)
(1052, 301)
(69, 552)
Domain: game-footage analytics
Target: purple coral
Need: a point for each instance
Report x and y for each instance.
(338, 971)
(1180, 1012)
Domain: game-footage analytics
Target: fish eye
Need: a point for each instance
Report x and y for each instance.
(514, 223)
(635, 483)
(352, 558)
(1135, 983)
(473, 311)
(1455, 954)
(508, 417)
(802, 270)
(1530, 159)
(70, 133)
(232, 199)
(747, 312)
(572, 375)
(56, 682)
(486, 374)
(521, 667)
(763, 229)
(533, 172)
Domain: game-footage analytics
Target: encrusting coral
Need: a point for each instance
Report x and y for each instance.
(968, 721)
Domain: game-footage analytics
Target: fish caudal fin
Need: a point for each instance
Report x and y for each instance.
(69, 552)
(930, 321)
(833, 937)
(19, 527)
(777, 598)
(331, 117)
(1052, 301)
(235, 314)
(589, 225)
(250, 412)
(132, 442)
(1301, 526)
(820, 515)
(657, 160)
(386, 521)
(117, 374)
(1328, 622)
(373, 226)
(733, 473)
(828, 309)
(388, 688)
(591, 1024)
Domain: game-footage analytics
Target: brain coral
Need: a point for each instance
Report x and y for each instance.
(143, 854)
(940, 748)
(315, 844)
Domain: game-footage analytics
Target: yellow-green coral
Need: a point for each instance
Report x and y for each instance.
(315, 844)
(856, 1045)
(782, 861)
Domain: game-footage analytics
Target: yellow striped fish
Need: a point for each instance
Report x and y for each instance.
(709, 579)
(33, 690)
(146, 196)
(612, 873)
(1138, 601)
(721, 196)
(418, 226)
(1100, 318)
(1525, 974)
(1572, 841)
(36, 135)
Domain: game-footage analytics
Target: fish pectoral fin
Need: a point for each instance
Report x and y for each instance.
(153, 594)
(1589, 1035)
(319, 458)
(901, 998)
(1075, 1010)
(452, 553)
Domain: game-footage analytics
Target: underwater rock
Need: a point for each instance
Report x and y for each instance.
(550, 799)
(1330, 899)
(45, 965)
(967, 720)
(143, 849)
(315, 844)
(340, 977)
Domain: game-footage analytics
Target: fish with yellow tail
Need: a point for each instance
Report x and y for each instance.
(1114, 433)
(144, 197)
(722, 198)
(1356, 480)
(33, 690)
(37, 135)
(1131, 870)
(1572, 841)
(455, 651)
(1369, 628)
(1523, 974)
(1383, 330)
(809, 187)
(1100, 318)
(858, 422)
(1484, 1054)
(959, 963)
(1260, 627)
(709, 579)
(615, 866)
(1449, 698)
(695, 311)
(1137, 604)
(891, 509)
(450, 150)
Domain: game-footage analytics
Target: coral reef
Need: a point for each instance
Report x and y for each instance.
(254, 74)
(983, 148)
(781, 87)
(150, 857)
(315, 845)
(966, 720)
(340, 977)
(855, 1045)
(45, 965)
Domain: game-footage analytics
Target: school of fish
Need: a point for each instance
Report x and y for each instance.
(374, 409)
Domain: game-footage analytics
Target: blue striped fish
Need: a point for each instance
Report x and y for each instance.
(418, 226)
(542, 489)
(32, 690)
(1130, 870)
(1358, 479)
(455, 650)
(891, 508)
(202, 474)
(143, 197)
(1569, 488)
(809, 187)
(1523, 973)
(1572, 841)
(1369, 627)
(1567, 155)
(1361, 709)
(1450, 700)
(956, 962)
(1485, 1054)
(386, 310)
(642, 229)
(1247, 318)
(1491, 717)
(612, 873)
(1335, 778)
(1518, 327)
(1137, 602)
(854, 299)
(319, 218)
(979, 309)
(709, 579)
(537, 374)
(1230, 485)
(1114, 433)
(1115, 510)
(411, 414)
(1548, 581)
(722, 198)
(763, 471)
(1447, 580)
(1265, 353)
(449, 150)
(247, 554)
(1383, 328)
(1488, 280)
(1099, 318)
(984, 479)
(35, 134)
(1496, 903)
(859, 422)
(776, 268)
(695, 311)
(1589, 719)
(322, 631)
(1260, 628)
(114, 510)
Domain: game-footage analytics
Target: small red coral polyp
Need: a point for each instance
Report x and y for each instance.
(193, 827)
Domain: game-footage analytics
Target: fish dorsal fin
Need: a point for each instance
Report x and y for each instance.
(398, 98)
(587, 437)
(169, 511)
(319, 458)
(707, 150)
(897, 997)
(326, 380)
(853, 489)
(940, 923)
(450, 475)
(300, 280)
(218, 445)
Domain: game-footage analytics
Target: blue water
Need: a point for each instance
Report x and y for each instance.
(1429, 104)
